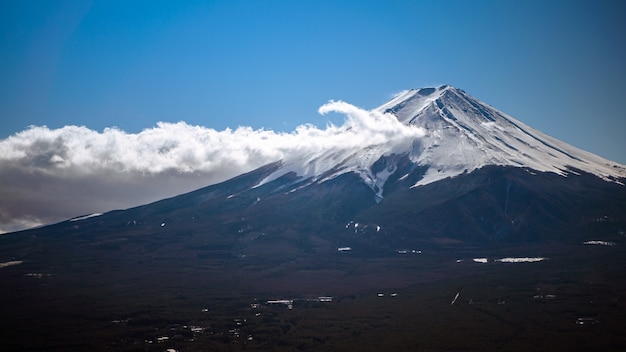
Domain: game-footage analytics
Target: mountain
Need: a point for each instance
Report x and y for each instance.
(455, 179)
(455, 168)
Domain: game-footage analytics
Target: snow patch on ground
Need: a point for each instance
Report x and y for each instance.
(521, 260)
(86, 217)
(507, 260)
(11, 263)
(600, 243)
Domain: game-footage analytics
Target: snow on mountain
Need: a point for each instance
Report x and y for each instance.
(445, 130)
(363, 139)
(464, 134)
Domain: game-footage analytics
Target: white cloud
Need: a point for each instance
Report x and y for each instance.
(54, 174)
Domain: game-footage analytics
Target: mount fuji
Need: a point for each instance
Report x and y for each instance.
(440, 192)
(441, 165)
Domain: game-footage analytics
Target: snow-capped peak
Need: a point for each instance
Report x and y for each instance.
(464, 134)
(443, 130)
(408, 103)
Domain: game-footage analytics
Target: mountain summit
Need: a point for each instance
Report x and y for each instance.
(447, 133)
(464, 134)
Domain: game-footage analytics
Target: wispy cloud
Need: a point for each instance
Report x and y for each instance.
(54, 174)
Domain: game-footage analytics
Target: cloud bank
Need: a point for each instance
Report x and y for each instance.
(50, 175)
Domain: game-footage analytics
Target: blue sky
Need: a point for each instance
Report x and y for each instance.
(555, 65)
(144, 66)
